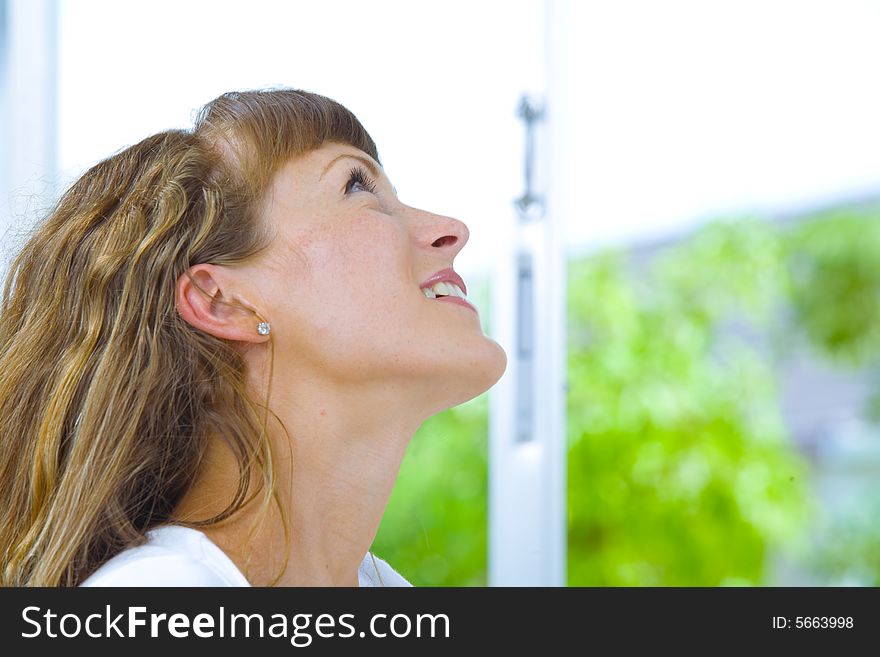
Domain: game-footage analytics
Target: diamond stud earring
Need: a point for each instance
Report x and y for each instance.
(263, 328)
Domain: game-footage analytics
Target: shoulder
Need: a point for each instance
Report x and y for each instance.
(172, 556)
(142, 566)
(379, 573)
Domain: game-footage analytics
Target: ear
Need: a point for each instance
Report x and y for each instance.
(205, 300)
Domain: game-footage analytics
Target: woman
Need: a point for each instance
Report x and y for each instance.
(215, 351)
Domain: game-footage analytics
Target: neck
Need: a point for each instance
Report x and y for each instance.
(334, 476)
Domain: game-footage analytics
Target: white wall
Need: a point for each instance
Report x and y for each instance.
(684, 110)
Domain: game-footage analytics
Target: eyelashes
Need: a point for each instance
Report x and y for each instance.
(358, 176)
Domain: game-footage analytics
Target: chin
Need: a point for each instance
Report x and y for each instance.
(477, 377)
(499, 364)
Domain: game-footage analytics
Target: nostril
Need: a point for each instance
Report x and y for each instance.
(445, 240)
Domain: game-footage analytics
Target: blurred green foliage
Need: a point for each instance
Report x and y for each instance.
(680, 469)
(834, 263)
(834, 285)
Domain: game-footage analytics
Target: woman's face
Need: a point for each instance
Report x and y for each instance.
(341, 284)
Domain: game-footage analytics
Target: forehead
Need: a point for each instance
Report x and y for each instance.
(329, 153)
(303, 172)
(309, 178)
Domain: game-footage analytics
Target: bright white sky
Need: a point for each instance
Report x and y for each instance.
(678, 111)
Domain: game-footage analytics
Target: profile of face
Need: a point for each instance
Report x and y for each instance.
(341, 285)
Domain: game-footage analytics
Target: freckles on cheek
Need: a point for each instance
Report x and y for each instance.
(357, 271)
(327, 285)
(288, 258)
(363, 252)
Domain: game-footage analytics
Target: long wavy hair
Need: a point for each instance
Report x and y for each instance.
(107, 396)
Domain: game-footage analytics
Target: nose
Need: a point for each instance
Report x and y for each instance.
(446, 233)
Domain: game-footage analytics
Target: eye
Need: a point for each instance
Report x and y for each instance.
(358, 178)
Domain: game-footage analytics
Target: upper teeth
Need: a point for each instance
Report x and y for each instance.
(443, 288)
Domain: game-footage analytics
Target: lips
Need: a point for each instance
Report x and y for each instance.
(457, 300)
(444, 275)
(447, 286)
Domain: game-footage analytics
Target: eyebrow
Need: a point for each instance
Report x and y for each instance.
(367, 162)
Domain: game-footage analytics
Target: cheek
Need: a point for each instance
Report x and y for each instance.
(350, 296)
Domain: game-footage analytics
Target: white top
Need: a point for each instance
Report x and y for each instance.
(181, 556)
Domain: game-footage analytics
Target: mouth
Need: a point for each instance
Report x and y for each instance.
(458, 301)
(447, 286)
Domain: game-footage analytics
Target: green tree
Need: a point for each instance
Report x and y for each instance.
(834, 272)
(834, 287)
(680, 472)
